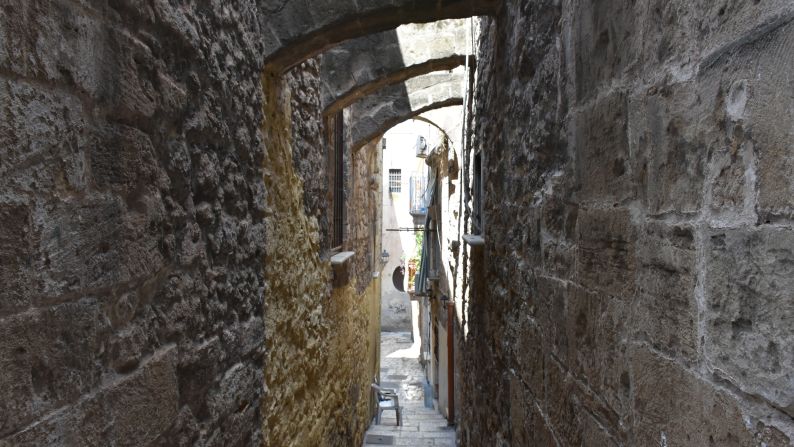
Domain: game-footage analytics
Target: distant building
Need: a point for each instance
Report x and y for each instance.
(404, 208)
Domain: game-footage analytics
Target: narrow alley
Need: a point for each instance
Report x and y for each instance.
(400, 370)
(514, 222)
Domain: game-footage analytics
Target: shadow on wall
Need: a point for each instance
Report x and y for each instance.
(395, 304)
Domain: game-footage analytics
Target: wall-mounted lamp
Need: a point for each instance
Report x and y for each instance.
(384, 257)
(383, 144)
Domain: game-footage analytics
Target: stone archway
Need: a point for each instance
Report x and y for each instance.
(295, 31)
(392, 105)
(361, 66)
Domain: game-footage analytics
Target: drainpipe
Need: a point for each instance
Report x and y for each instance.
(451, 361)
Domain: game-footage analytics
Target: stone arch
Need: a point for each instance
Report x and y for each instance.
(433, 123)
(377, 113)
(361, 66)
(296, 30)
(448, 120)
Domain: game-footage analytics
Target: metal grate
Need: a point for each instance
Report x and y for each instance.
(395, 180)
(339, 179)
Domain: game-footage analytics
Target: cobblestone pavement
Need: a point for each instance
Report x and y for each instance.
(400, 369)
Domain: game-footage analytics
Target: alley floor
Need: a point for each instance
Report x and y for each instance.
(400, 370)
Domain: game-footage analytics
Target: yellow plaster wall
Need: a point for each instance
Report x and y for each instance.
(322, 344)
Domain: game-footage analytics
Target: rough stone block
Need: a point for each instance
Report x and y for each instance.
(47, 360)
(142, 406)
(123, 160)
(290, 21)
(605, 258)
(95, 243)
(38, 123)
(603, 168)
(43, 133)
(669, 33)
(127, 347)
(559, 218)
(558, 225)
(749, 290)
(605, 41)
(595, 325)
(770, 115)
(731, 189)
(233, 392)
(145, 404)
(245, 339)
(671, 128)
(54, 42)
(51, 41)
(187, 303)
(721, 26)
(673, 407)
(179, 21)
(183, 432)
(130, 93)
(529, 355)
(198, 372)
(573, 412)
(16, 275)
(526, 424)
(559, 259)
(549, 311)
(665, 309)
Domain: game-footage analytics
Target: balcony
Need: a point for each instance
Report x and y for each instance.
(419, 199)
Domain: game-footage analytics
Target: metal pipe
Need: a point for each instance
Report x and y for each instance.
(451, 361)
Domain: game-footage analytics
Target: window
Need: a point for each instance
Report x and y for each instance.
(337, 179)
(395, 180)
(476, 220)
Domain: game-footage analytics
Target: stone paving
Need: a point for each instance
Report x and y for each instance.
(400, 369)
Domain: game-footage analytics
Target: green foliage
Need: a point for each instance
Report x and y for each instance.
(420, 237)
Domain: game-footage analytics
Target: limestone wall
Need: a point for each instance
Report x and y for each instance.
(636, 283)
(131, 223)
(145, 220)
(322, 343)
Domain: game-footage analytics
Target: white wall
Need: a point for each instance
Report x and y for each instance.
(400, 154)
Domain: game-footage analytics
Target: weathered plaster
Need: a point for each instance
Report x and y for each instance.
(322, 344)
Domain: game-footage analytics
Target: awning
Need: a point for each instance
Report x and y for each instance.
(420, 283)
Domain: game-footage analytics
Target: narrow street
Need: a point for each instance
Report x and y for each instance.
(401, 371)
(541, 223)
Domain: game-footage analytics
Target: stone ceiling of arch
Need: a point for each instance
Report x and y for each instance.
(361, 66)
(295, 30)
(391, 105)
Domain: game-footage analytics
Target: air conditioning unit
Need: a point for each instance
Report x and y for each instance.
(421, 147)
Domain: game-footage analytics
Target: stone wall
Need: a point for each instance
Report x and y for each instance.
(636, 283)
(131, 233)
(322, 343)
(143, 221)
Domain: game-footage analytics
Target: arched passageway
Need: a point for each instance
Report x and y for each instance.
(298, 30)
(359, 67)
(164, 211)
(389, 106)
